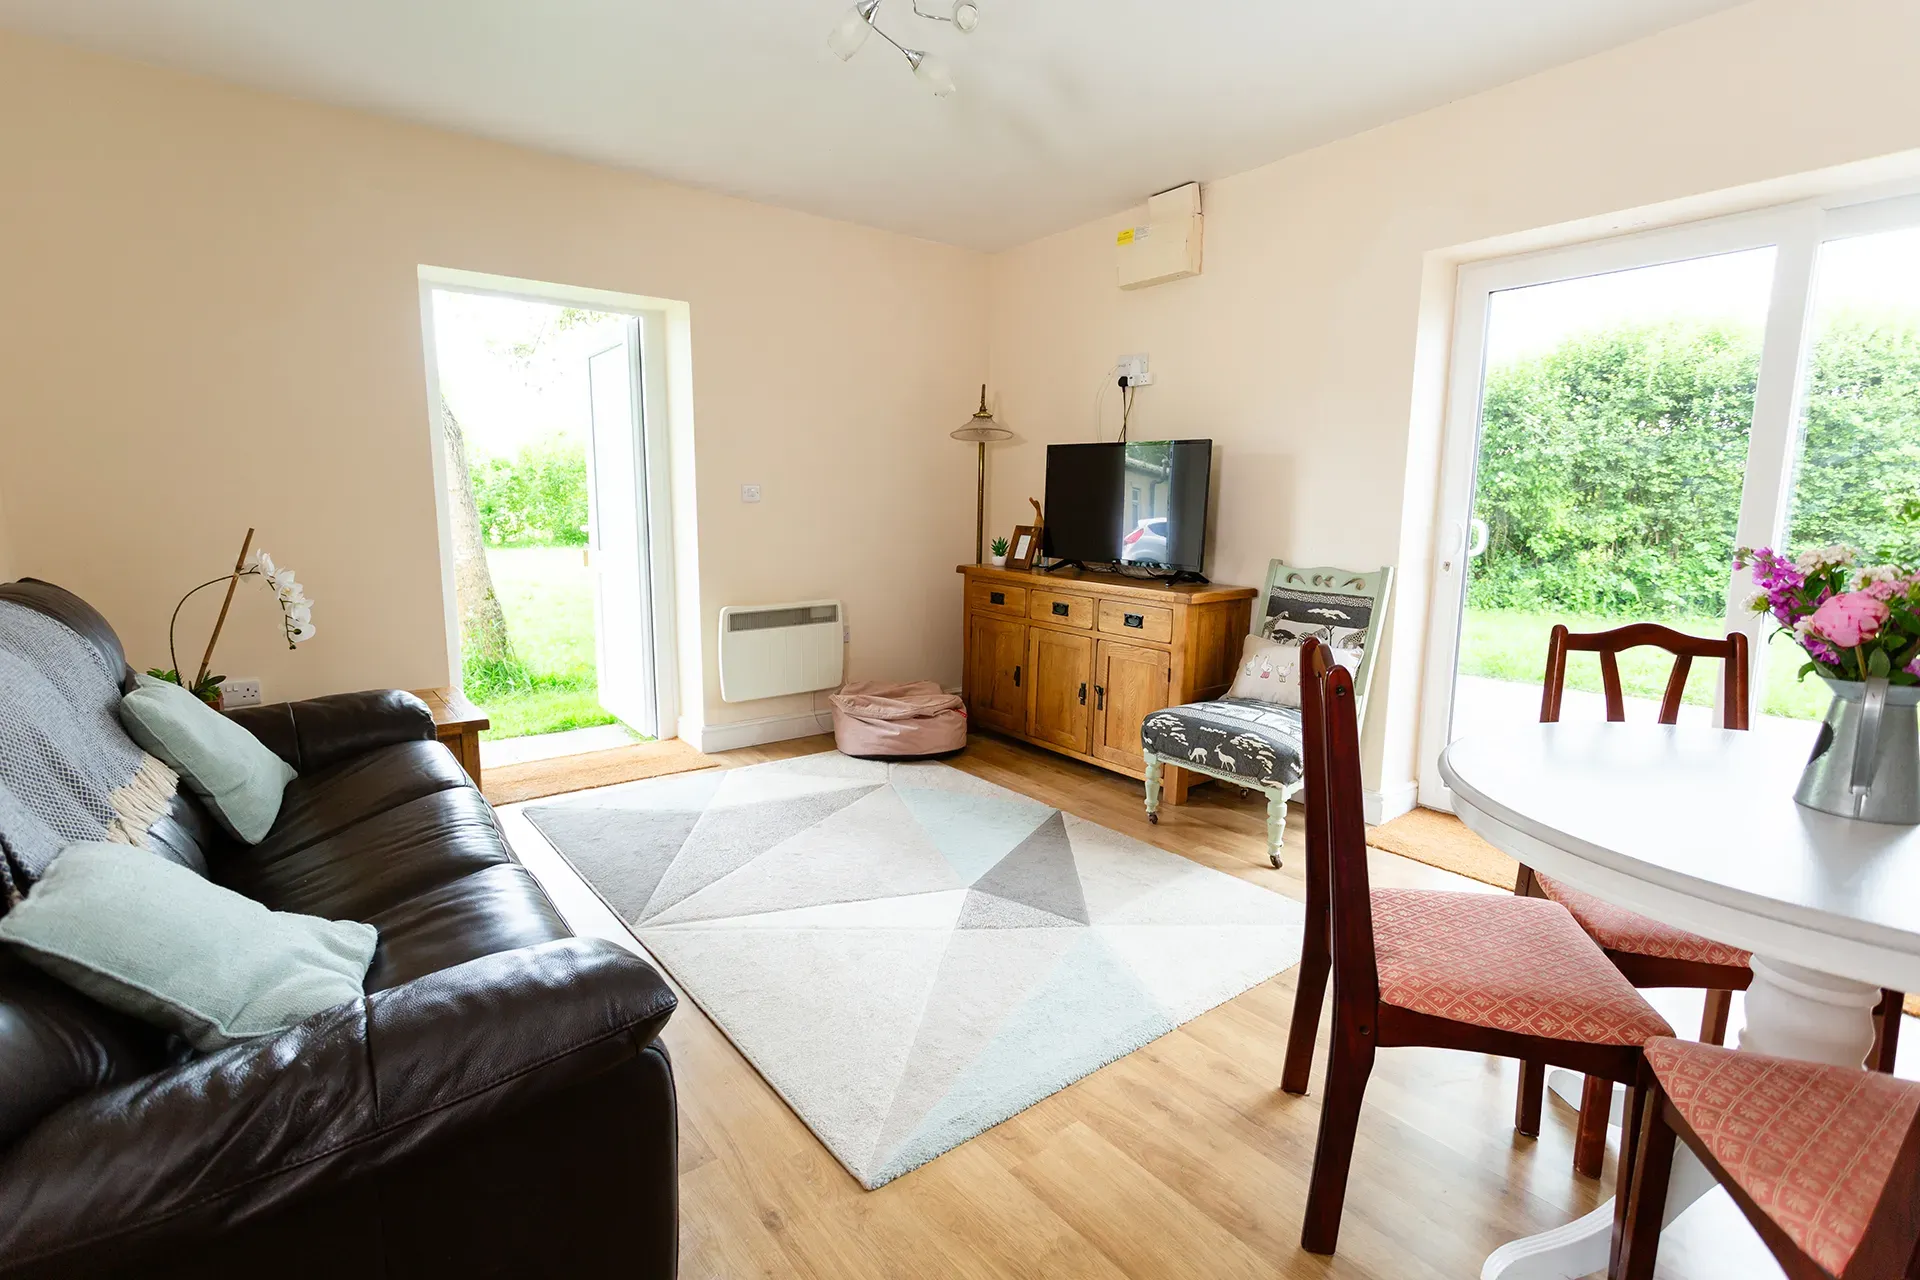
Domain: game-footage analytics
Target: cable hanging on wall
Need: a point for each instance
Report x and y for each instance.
(851, 32)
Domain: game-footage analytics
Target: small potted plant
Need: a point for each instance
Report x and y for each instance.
(999, 548)
(296, 616)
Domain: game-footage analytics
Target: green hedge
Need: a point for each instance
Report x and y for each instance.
(1611, 467)
(536, 499)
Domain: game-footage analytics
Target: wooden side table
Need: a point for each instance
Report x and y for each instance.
(457, 723)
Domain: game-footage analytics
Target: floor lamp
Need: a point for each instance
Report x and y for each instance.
(978, 430)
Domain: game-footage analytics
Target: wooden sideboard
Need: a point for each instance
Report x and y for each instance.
(1074, 661)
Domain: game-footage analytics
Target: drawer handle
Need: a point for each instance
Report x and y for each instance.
(1083, 693)
(1099, 697)
(996, 597)
(1060, 609)
(1133, 620)
(1016, 677)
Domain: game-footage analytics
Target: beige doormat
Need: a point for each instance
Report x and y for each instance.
(533, 779)
(1442, 840)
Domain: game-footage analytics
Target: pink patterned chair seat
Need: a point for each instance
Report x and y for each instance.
(1811, 1145)
(1618, 929)
(1513, 964)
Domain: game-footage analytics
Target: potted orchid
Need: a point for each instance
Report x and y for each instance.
(1859, 626)
(296, 617)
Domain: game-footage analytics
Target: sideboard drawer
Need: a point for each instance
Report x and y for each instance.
(1139, 621)
(1065, 610)
(993, 598)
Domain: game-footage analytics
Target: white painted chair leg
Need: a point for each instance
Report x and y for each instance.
(1276, 825)
(1153, 788)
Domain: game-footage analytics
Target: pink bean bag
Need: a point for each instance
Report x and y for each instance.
(919, 719)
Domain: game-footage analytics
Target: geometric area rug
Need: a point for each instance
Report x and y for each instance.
(908, 954)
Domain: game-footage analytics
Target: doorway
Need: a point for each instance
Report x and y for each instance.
(1624, 415)
(545, 493)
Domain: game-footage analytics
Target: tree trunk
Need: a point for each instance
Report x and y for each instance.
(483, 626)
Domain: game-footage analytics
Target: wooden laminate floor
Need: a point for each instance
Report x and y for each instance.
(1182, 1159)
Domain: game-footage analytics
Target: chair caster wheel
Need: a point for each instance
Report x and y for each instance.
(1154, 818)
(1274, 858)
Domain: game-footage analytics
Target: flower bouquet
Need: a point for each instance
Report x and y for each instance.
(1860, 629)
(1852, 622)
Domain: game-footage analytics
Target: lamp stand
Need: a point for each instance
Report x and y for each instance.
(980, 510)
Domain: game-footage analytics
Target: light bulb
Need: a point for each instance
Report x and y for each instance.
(933, 73)
(966, 15)
(852, 30)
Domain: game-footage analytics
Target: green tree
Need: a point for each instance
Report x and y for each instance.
(1860, 469)
(538, 498)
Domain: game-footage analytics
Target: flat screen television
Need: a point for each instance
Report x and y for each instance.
(1143, 502)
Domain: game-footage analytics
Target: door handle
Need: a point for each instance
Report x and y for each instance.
(1099, 697)
(1016, 676)
(1083, 693)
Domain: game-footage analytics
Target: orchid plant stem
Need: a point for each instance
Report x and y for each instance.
(174, 621)
(239, 567)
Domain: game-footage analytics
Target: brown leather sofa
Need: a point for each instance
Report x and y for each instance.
(498, 1104)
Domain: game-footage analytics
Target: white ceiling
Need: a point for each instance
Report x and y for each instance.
(1068, 110)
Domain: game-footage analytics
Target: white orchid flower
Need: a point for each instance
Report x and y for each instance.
(304, 631)
(300, 613)
(264, 563)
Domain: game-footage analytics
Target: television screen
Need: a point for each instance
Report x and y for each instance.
(1141, 503)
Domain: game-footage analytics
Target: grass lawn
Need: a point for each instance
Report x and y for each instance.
(547, 593)
(1503, 644)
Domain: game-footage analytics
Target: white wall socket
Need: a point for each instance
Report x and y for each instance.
(1134, 370)
(240, 693)
(749, 493)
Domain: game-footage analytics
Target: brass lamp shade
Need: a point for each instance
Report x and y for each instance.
(978, 430)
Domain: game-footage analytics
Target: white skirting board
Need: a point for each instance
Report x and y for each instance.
(754, 733)
(1389, 803)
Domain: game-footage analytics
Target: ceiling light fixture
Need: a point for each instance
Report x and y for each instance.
(851, 32)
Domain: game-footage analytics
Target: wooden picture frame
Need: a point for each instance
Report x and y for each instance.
(1024, 547)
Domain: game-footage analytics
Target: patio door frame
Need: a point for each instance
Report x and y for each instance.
(652, 396)
(1797, 232)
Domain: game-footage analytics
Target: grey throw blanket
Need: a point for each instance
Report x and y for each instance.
(68, 771)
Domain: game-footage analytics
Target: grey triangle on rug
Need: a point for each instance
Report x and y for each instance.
(909, 954)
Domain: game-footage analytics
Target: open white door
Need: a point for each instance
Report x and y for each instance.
(617, 519)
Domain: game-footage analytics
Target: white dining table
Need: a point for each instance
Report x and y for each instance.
(1696, 827)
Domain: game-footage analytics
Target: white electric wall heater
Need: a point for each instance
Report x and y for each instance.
(770, 649)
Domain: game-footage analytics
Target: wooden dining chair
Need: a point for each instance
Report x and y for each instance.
(1824, 1161)
(1480, 972)
(1649, 953)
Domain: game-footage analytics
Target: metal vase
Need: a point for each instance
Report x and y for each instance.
(1866, 761)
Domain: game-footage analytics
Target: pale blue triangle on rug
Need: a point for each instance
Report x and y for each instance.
(1089, 1011)
(973, 831)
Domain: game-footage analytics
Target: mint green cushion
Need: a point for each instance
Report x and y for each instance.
(150, 938)
(233, 771)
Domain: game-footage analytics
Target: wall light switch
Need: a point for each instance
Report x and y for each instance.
(749, 493)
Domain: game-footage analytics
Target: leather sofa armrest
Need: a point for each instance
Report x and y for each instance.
(225, 1139)
(321, 732)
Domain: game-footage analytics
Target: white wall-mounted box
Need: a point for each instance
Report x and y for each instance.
(1164, 247)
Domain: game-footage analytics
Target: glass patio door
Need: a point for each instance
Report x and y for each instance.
(1624, 415)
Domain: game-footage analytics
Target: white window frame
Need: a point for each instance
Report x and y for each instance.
(657, 318)
(1797, 232)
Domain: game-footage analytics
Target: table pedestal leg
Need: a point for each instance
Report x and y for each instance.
(1792, 1012)
(1800, 1013)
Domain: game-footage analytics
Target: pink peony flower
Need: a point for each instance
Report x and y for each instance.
(1848, 618)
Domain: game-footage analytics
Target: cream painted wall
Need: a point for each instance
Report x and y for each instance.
(212, 320)
(1311, 349)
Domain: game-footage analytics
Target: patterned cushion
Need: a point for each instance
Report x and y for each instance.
(1513, 964)
(1337, 619)
(1812, 1145)
(1243, 736)
(1618, 929)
